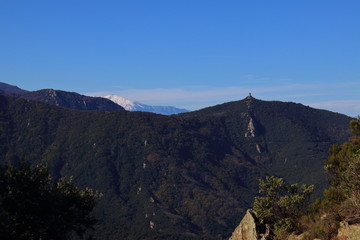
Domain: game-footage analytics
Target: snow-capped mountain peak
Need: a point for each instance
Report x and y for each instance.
(136, 106)
(124, 102)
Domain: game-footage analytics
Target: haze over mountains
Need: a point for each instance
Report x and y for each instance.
(185, 176)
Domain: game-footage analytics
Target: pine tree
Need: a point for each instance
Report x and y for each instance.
(282, 204)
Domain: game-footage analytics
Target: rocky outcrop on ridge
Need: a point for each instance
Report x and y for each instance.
(249, 228)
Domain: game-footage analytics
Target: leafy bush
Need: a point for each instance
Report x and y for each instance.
(318, 227)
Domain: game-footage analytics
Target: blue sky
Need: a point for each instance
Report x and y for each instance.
(186, 53)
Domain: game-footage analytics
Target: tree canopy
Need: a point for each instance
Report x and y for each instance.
(282, 204)
(34, 206)
(343, 166)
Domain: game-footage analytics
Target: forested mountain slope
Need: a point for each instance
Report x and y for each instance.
(61, 98)
(180, 177)
(291, 140)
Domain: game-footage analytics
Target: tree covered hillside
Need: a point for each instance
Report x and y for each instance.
(288, 139)
(182, 177)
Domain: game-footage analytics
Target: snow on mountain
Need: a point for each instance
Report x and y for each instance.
(125, 103)
(136, 106)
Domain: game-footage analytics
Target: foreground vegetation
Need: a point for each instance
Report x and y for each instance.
(34, 206)
(282, 205)
(284, 208)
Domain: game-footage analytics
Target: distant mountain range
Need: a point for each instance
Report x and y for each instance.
(61, 98)
(7, 88)
(82, 102)
(185, 176)
(136, 106)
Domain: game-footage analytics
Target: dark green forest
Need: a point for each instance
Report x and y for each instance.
(34, 206)
(187, 176)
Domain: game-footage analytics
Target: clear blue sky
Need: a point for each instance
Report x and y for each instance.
(187, 53)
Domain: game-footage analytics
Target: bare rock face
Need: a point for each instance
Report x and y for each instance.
(250, 229)
(348, 232)
(247, 228)
(251, 129)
